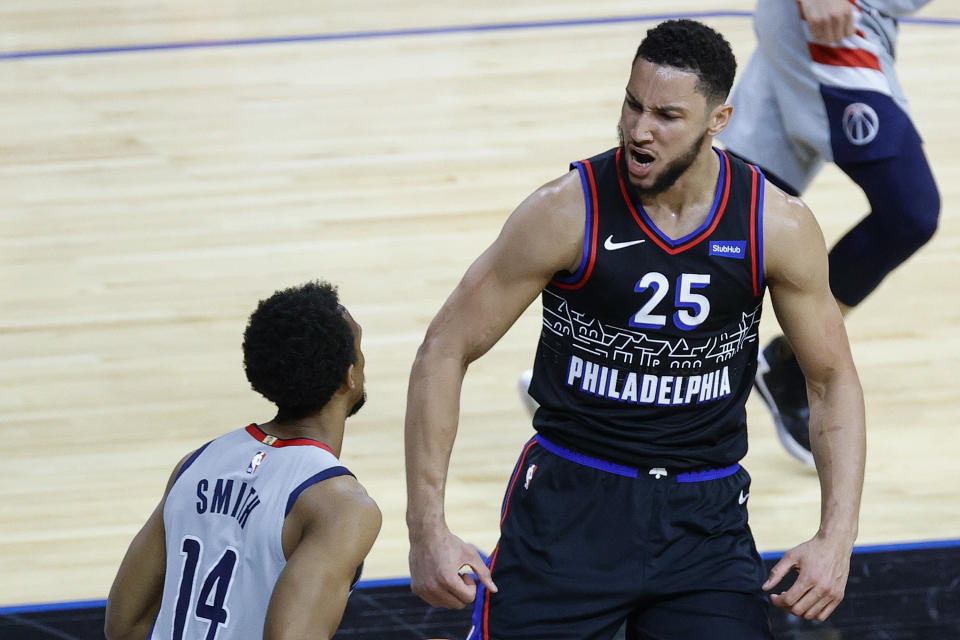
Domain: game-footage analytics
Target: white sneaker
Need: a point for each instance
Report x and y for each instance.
(523, 386)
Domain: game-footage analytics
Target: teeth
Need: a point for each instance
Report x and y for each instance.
(642, 159)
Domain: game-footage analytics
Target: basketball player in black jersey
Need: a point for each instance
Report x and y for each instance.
(629, 505)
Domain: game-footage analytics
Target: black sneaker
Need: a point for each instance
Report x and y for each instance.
(782, 386)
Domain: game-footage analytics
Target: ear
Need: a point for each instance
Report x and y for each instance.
(718, 119)
(349, 381)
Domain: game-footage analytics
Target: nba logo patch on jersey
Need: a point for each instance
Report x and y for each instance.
(532, 469)
(256, 461)
(729, 248)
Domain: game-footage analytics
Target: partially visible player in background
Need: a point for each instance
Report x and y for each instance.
(821, 87)
(261, 533)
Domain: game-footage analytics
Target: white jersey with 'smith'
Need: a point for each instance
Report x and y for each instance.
(223, 519)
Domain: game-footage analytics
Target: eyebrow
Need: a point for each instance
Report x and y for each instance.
(670, 107)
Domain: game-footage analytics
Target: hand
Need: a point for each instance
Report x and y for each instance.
(829, 20)
(823, 568)
(435, 570)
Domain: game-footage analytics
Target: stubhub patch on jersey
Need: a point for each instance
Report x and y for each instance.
(729, 248)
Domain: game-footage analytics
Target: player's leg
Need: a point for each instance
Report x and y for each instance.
(562, 560)
(905, 207)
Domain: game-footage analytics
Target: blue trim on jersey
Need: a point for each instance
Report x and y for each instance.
(760, 192)
(631, 472)
(588, 228)
(190, 460)
(708, 474)
(587, 461)
(721, 182)
(326, 474)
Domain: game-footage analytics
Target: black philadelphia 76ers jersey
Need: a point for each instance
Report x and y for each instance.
(648, 352)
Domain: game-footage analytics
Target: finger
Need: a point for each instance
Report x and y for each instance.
(849, 24)
(820, 29)
(482, 572)
(438, 596)
(788, 599)
(816, 609)
(778, 573)
(828, 610)
(805, 603)
(447, 591)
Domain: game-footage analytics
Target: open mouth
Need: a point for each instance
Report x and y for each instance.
(641, 157)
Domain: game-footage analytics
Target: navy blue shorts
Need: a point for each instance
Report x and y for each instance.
(587, 545)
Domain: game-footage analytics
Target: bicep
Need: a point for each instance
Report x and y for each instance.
(543, 236)
(798, 279)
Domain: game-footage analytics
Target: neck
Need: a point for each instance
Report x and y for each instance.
(325, 426)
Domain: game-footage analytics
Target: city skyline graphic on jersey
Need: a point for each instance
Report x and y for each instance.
(639, 349)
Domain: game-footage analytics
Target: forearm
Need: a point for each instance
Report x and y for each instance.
(838, 441)
(433, 406)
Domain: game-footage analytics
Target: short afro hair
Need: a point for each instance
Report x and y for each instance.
(692, 46)
(297, 348)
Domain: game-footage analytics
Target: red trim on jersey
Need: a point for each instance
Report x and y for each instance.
(493, 556)
(753, 228)
(258, 433)
(485, 625)
(513, 482)
(843, 57)
(721, 208)
(595, 223)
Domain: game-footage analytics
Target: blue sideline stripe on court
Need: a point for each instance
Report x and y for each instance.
(52, 606)
(402, 582)
(880, 548)
(399, 33)
(374, 34)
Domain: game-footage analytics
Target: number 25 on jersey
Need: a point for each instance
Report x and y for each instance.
(691, 308)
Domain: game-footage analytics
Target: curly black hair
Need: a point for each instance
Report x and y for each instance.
(297, 348)
(692, 46)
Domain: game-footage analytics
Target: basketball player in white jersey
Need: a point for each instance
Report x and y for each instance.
(261, 533)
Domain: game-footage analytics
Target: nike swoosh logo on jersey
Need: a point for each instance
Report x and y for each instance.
(743, 497)
(610, 245)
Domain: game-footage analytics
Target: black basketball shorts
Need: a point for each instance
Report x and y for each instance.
(587, 545)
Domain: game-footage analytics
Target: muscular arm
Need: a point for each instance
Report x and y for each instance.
(328, 533)
(544, 235)
(796, 270)
(137, 590)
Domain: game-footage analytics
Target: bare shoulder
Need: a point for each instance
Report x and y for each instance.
(791, 235)
(343, 497)
(550, 223)
(783, 213)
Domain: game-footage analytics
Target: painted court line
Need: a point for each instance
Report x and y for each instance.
(400, 582)
(408, 32)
